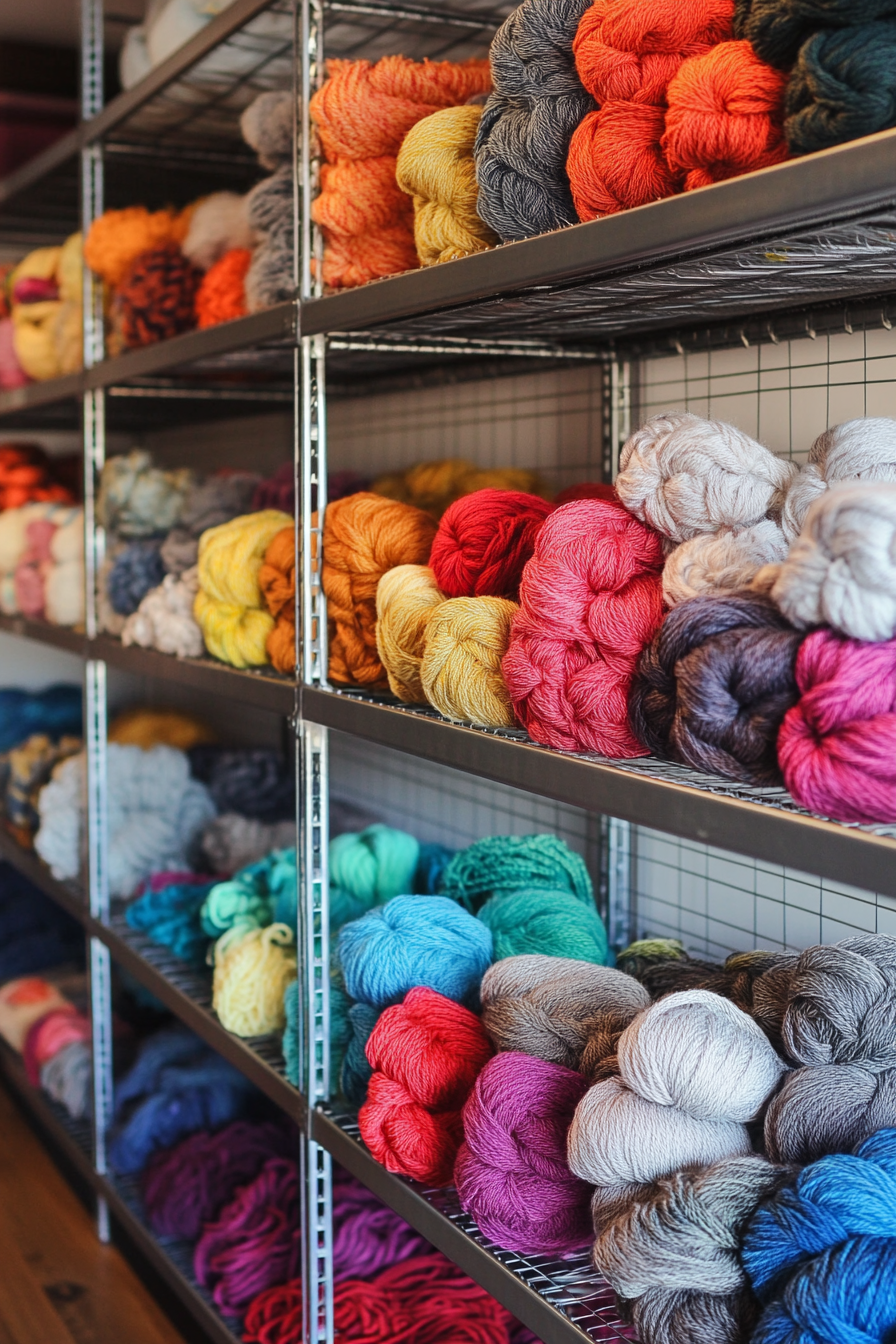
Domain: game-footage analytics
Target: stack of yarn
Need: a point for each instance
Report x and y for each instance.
(39, 1021)
(42, 334)
(41, 560)
(37, 731)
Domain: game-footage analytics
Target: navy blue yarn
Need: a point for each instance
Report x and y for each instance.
(778, 28)
(434, 859)
(136, 571)
(255, 782)
(843, 86)
(34, 931)
(356, 1072)
(55, 711)
(170, 917)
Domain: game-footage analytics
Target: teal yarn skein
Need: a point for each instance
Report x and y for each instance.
(340, 1031)
(262, 893)
(414, 941)
(554, 923)
(507, 863)
(356, 1072)
(843, 86)
(368, 867)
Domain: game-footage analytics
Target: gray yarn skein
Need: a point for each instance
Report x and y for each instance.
(856, 450)
(688, 1317)
(828, 1109)
(270, 208)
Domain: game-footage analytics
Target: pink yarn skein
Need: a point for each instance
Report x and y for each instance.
(590, 600)
(837, 744)
(33, 567)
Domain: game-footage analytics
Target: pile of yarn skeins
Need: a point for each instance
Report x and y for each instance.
(720, 607)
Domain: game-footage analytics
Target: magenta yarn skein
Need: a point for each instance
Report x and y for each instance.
(511, 1172)
(367, 1235)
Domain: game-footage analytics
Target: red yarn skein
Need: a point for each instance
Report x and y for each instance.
(426, 1053)
(484, 541)
(725, 117)
(615, 161)
(837, 744)
(590, 600)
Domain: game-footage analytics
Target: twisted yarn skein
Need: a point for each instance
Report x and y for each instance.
(857, 450)
(252, 970)
(435, 167)
(364, 536)
(406, 599)
(590, 600)
(228, 606)
(722, 562)
(835, 745)
(841, 86)
(777, 32)
(511, 1172)
(164, 619)
(137, 499)
(484, 541)
(508, 863)
(373, 865)
(555, 923)
(714, 684)
(425, 1054)
(460, 672)
(277, 581)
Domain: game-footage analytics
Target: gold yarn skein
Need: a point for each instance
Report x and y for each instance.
(229, 604)
(252, 971)
(466, 638)
(406, 598)
(435, 166)
(433, 486)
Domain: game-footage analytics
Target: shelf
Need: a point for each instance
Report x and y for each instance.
(263, 688)
(44, 632)
(762, 823)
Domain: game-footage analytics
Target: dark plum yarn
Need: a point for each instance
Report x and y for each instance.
(356, 1072)
(523, 137)
(55, 711)
(367, 1235)
(714, 684)
(434, 859)
(843, 86)
(277, 491)
(778, 28)
(34, 931)
(254, 781)
(136, 571)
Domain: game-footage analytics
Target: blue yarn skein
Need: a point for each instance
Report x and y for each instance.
(505, 863)
(822, 1254)
(170, 917)
(414, 940)
(356, 1071)
(375, 864)
(55, 711)
(135, 572)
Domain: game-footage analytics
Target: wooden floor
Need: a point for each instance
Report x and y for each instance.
(58, 1285)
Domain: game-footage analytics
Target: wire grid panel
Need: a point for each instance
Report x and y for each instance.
(374, 28)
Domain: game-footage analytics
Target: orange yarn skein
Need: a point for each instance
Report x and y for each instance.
(364, 536)
(277, 581)
(118, 237)
(221, 296)
(726, 116)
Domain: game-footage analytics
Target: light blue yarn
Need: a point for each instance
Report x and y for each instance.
(414, 940)
(506, 863)
(374, 864)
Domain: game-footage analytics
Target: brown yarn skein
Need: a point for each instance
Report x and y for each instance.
(277, 581)
(364, 536)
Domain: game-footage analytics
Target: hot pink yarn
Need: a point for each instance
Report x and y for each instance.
(12, 375)
(590, 600)
(837, 745)
(33, 567)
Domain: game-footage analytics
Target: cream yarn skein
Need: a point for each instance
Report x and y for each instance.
(164, 619)
(64, 586)
(857, 450)
(722, 562)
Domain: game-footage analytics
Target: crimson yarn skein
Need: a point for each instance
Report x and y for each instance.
(484, 541)
(590, 600)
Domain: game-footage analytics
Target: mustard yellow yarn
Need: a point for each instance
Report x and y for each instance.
(252, 971)
(466, 638)
(229, 604)
(433, 486)
(435, 166)
(154, 727)
(406, 598)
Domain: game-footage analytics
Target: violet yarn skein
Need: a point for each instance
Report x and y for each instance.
(367, 1235)
(511, 1172)
(714, 684)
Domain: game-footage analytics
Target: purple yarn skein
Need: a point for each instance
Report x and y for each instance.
(367, 1235)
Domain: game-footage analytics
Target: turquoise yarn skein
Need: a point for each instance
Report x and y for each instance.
(412, 941)
(554, 923)
(505, 863)
(368, 867)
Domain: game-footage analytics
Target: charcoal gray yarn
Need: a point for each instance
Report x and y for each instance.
(778, 28)
(843, 86)
(523, 137)
(662, 1317)
(828, 1109)
(714, 684)
(216, 500)
(180, 551)
(269, 279)
(255, 782)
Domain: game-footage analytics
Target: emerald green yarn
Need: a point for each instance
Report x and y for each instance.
(843, 86)
(369, 867)
(554, 923)
(502, 864)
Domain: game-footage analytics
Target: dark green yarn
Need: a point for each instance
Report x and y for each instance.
(843, 86)
(778, 28)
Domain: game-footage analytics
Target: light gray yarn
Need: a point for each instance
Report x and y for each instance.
(231, 842)
(269, 279)
(857, 450)
(555, 1008)
(267, 126)
(841, 570)
(67, 1078)
(179, 551)
(218, 223)
(725, 561)
(216, 500)
(685, 476)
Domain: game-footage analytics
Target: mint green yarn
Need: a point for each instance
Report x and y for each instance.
(375, 864)
(340, 1032)
(291, 1034)
(508, 863)
(263, 893)
(553, 923)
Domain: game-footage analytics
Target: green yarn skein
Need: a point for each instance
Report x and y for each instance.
(843, 86)
(554, 923)
(235, 904)
(506, 863)
(369, 867)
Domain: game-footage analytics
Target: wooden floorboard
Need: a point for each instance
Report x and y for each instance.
(58, 1284)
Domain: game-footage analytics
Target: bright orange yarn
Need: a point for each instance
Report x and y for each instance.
(365, 535)
(277, 581)
(221, 296)
(725, 117)
(117, 238)
(25, 477)
(615, 161)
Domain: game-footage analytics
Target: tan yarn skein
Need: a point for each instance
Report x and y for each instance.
(435, 166)
(406, 598)
(466, 638)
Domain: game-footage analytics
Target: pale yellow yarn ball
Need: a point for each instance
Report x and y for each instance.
(252, 971)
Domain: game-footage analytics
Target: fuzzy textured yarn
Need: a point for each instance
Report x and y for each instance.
(28, 768)
(590, 600)
(484, 541)
(857, 450)
(164, 619)
(406, 599)
(434, 486)
(219, 225)
(435, 167)
(723, 561)
(216, 500)
(511, 1172)
(231, 841)
(115, 240)
(714, 684)
(146, 728)
(277, 581)
(425, 1054)
(137, 499)
(228, 606)
(169, 916)
(465, 641)
(554, 923)
(367, 1236)
(269, 279)
(254, 781)
(777, 31)
(506, 863)
(252, 970)
(156, 298)
(221, 295)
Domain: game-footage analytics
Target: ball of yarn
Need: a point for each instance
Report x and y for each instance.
(819, 1253)
(164, 619)
(835, 745)
(137, 499)
(507, 863)
(554, 923)
(566, 1012)
(364, 536)
(217, 499)
(425, 1054)
(484, 541)
(228, 606)
(685, 475)
(268, 125)
(511, 1172)
(221, 295)
(375, 864)
(725, 116)
(115, 240)
(252, 970)
(137, 570)
(858, 450)
(277, 581)
(590, 600)
(146, 728)
(460, 672)
(722, 562)
(435, 167)
(406, 598)
(714, 685)
(414, 940)
(616, 161)
(218, 225)
(155, 299)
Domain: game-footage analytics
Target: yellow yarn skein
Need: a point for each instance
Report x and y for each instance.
(229, 604)
(148, 728)
(435, 166)
(406, 598)
(466, 638)
(252, 971)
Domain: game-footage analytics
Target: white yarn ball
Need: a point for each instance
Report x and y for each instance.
(685, 475)
(60, 807)
(699, 1052)
(857, 450)
(164, 619)
(724, 562)
(67, 542)
(218, 223)
(841, 570)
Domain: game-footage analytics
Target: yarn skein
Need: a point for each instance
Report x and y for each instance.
(841, 87)
(435, 166)
(484, 541)
(507, 863)
(465, 641)
(777, 32)
(406, 599)
(857, 450)
(228, 606)
(554, 923)
(277, 581)
(723, 562)
(252, 970)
